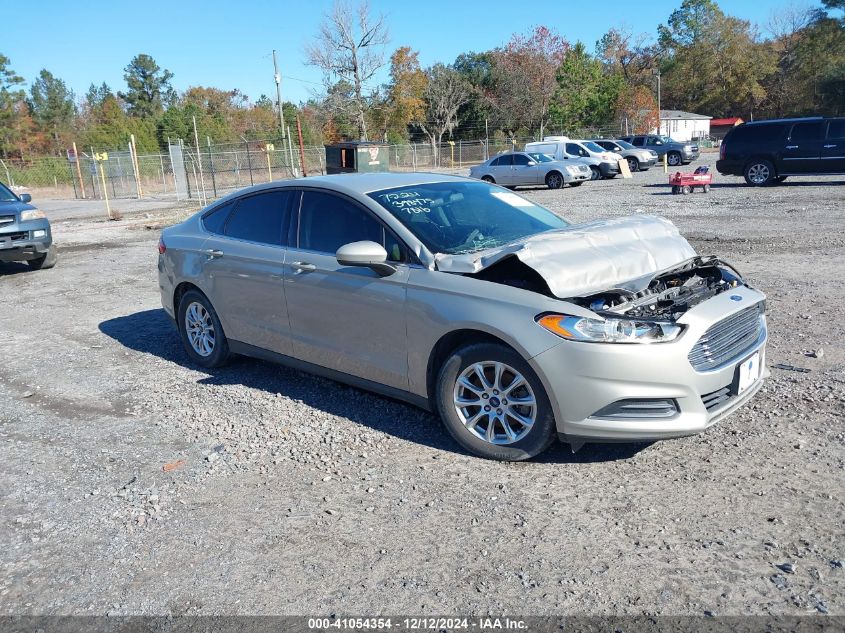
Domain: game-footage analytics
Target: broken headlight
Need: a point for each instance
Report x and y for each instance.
(575, 328)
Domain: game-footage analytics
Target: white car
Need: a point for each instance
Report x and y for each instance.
(514, 169)
(603, 164)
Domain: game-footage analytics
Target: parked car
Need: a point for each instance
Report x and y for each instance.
(474, 302)
(677, 153)
(765, 152)
(565, 149)
(514, 169)
(25, 234)
(639, 158)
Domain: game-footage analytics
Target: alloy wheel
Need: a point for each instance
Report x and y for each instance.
(674, 159)
(554, 181)
(758, 173)
(495, 402)
(200, 329)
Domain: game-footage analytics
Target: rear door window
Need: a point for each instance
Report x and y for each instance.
(215, 220)
(260, 218)
(836, 130)
(639, 141)
(807, 131)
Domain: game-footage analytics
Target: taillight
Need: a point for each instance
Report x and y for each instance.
(722, 149)
(161, 246)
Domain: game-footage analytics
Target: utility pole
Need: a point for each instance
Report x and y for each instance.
(278, 79)
(657, 72)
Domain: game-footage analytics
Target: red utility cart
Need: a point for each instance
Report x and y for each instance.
(686, 182)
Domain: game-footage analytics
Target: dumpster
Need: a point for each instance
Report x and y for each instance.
(351, 157)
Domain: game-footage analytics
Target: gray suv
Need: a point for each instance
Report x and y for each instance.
(25, 234)
(677, 152)
(469, 300)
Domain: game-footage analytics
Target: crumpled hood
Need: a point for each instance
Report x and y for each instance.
(620, 253)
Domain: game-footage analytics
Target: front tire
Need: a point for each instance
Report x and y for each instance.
(493, 403)
(554, 180)
(759, 173)
(674, 159)
(201, 332)
(577, 183)
(47, 260)
(595, 173)
(633, 164)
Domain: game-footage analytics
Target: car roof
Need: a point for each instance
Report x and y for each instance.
(792, 120)
(356, 183)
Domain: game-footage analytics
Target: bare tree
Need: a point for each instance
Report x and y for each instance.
(350, 48)
(446, 91)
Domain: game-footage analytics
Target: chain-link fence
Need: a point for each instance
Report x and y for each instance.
(213, 170)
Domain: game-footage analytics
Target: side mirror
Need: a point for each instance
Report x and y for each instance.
(25, 197)
(367, 254)
(531, 163)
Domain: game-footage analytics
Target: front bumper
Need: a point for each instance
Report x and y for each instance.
(23, 241)
(608, 169)
(584, 378)
(690, 156)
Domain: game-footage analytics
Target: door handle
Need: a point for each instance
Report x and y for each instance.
(829, 146)
(214, 253)
(791, 147)
(303, 267)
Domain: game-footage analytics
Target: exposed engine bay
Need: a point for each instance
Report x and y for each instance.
(669, 295)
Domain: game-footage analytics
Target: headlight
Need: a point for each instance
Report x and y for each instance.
(610, 330)
(33, 214)
(572, 170)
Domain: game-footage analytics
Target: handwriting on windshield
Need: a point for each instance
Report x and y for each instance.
(409, 201)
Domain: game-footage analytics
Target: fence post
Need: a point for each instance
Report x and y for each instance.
(460, 154)
(249, 163)
(211, 166)
(163, 179)
(78, 173)
(72, 179)
(414, 145)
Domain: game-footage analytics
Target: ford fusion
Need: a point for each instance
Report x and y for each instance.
(471, 301)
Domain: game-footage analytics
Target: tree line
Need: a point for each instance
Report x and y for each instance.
(707, 61)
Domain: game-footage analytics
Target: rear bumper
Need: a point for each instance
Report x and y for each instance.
(729, 167)
(608, 169)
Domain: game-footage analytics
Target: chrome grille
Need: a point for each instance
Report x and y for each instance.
(727, 339)
(6, 219)
(17, 236)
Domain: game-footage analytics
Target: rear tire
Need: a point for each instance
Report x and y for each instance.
(499, 432)
(759, 173)
(47, 260)
(201, 332)
(488, 179)
(554, 180)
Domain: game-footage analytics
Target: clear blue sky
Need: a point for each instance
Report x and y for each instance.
(227, 44)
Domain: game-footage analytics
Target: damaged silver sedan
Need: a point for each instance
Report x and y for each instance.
(469, 300)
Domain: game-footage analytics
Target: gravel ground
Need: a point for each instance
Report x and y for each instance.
(133, 483)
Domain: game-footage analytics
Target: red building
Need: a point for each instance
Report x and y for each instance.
(720, 127)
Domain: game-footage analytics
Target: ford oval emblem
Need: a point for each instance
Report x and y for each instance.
(736, 298)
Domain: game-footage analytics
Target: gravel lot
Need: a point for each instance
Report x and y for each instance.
(132, 483)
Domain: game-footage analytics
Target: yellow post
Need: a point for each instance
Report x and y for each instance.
(100, 158)
(665, 164)
(269, 148)
(452, 147)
